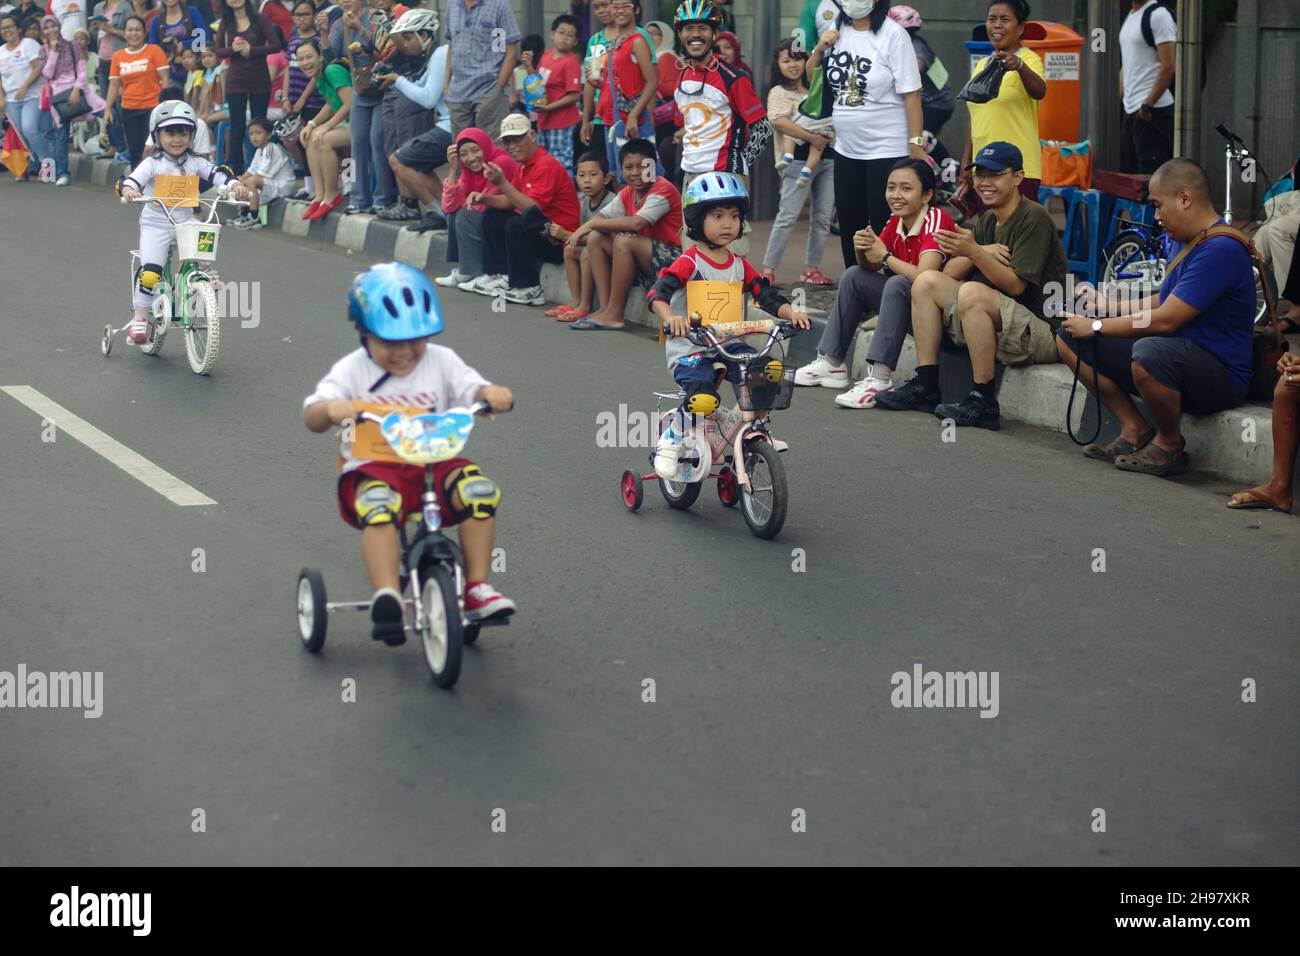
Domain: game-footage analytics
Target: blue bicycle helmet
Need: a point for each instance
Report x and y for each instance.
(394, 301)
(707, 191)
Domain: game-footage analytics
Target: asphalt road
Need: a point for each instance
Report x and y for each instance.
(1118, 690)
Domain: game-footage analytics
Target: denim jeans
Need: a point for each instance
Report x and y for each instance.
(57, 138)
(368, 156)
(793, 197)
(469, 241)
(32, 125)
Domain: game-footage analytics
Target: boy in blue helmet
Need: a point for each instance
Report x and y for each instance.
(713, 210)
(396, 311)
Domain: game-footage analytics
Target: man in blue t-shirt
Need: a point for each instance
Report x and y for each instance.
(1186, 349)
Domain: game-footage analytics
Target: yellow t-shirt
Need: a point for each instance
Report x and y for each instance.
(1012, 117)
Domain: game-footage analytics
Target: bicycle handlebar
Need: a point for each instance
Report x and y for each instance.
(777, 330)
(222, 197)
(1227, 133)
(478, 408)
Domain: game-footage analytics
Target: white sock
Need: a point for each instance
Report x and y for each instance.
(881, 371)
(308, 185)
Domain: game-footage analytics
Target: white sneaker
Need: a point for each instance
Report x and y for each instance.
(451, 279)
(533, 296)
(821, 372)
(779, 445)
(469, 285)
(863, 393)
(137, 332)
(667, 452)
(62, 181)
(490, 285)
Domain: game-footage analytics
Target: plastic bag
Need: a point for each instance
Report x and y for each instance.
(984, 85)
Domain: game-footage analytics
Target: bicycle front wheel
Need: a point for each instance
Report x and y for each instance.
(202, 324)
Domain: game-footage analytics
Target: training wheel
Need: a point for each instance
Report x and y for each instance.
(106, 342)
(728, 488)
(311, 609)
(633, 493)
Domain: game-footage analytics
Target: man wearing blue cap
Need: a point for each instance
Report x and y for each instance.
(989, 296)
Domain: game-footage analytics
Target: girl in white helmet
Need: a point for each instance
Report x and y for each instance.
(171, 129)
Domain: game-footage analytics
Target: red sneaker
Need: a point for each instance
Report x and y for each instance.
(483, 601)
(330, 206)
(313, 211)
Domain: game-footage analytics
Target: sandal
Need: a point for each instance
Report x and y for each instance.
(556, 312)
(816, 277)
(570, 315)
(1154, 460)
(1252, 498)
(1120, 446)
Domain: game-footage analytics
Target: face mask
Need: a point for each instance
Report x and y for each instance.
(856, 9)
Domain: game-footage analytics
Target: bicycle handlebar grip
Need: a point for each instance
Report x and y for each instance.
(1226, 133)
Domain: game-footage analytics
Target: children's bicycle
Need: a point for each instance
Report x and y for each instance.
(737, 453)
(190, 299)
(432, 568)
(1136, 254)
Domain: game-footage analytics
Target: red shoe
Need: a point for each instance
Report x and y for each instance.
(329, 207)
(483, 601)
(313, 211)
(816, 277)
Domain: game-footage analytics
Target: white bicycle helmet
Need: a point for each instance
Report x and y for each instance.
(171, 113)
(417, 20)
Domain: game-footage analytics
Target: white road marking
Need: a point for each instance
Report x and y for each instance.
(134, 464)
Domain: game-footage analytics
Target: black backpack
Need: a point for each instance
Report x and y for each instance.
(1149, 35)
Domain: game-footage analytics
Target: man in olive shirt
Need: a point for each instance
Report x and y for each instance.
(989, 296)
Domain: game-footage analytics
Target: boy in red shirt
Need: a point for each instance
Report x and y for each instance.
(558, 114)
(634, 236)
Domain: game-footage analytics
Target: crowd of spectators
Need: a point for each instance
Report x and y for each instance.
(575, 150)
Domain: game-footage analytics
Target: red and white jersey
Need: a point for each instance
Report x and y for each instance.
(909, 245)
(716, 107)
(441, 381)
(694, 263)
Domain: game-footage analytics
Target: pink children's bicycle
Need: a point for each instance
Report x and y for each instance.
(736, 451)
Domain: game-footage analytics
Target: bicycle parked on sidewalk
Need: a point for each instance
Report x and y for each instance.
(190, 299)
(738, 454)
(1135, 257)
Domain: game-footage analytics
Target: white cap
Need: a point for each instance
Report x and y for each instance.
(516, 124)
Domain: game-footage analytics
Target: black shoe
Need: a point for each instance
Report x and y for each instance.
(431, 221)
(388, 618)
(400, 212)
(975, 410)
(908, 397)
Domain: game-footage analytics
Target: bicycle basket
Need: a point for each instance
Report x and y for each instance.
(197, 240)
(765, 383)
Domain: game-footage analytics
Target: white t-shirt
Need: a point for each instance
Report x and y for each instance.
(16, 66)
(272, 163)
(868, 74)
(1140, 64)
(72, 17)
(203, 145)
(441, 381)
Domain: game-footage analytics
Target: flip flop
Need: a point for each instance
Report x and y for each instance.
(1154, 460)
(556, 312)
(1120, 446)
(586, 325)
(570, 315)
(1252, 500)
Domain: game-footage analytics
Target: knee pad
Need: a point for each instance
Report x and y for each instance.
(701, 403)
(377, 502)
(479, 494)
(148, 277)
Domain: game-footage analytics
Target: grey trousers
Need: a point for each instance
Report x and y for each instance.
(486, 112)
(469, 242)
(793, 198)
(862, 293)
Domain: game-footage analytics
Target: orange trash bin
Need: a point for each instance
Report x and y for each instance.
(1061, 50)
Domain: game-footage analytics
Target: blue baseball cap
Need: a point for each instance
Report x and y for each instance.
(998, 156)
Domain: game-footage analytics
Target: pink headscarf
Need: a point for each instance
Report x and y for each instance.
(67, 52)
(492, 153)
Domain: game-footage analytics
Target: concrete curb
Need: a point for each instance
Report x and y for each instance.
(1036, 395)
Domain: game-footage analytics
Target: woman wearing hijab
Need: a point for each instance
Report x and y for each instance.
(468, 157)
(65, 69)
(729, 50)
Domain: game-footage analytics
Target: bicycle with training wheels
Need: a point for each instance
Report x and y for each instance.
(1136, 255)
(190, 298)
(723, 446)
(432, 570)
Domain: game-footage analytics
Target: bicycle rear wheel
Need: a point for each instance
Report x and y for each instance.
(202, 323)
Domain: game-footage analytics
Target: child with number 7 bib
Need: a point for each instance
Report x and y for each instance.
(714, 210)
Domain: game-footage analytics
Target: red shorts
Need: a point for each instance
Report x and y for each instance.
(406, 480)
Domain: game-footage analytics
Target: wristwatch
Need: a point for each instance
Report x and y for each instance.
(884, 260)
(916, 141)
(1096, 326)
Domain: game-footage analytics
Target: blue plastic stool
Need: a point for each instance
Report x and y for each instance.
(1132, 210)
(1083, 231)
(1063, 193)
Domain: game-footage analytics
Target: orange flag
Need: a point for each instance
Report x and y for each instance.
(14, 154)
